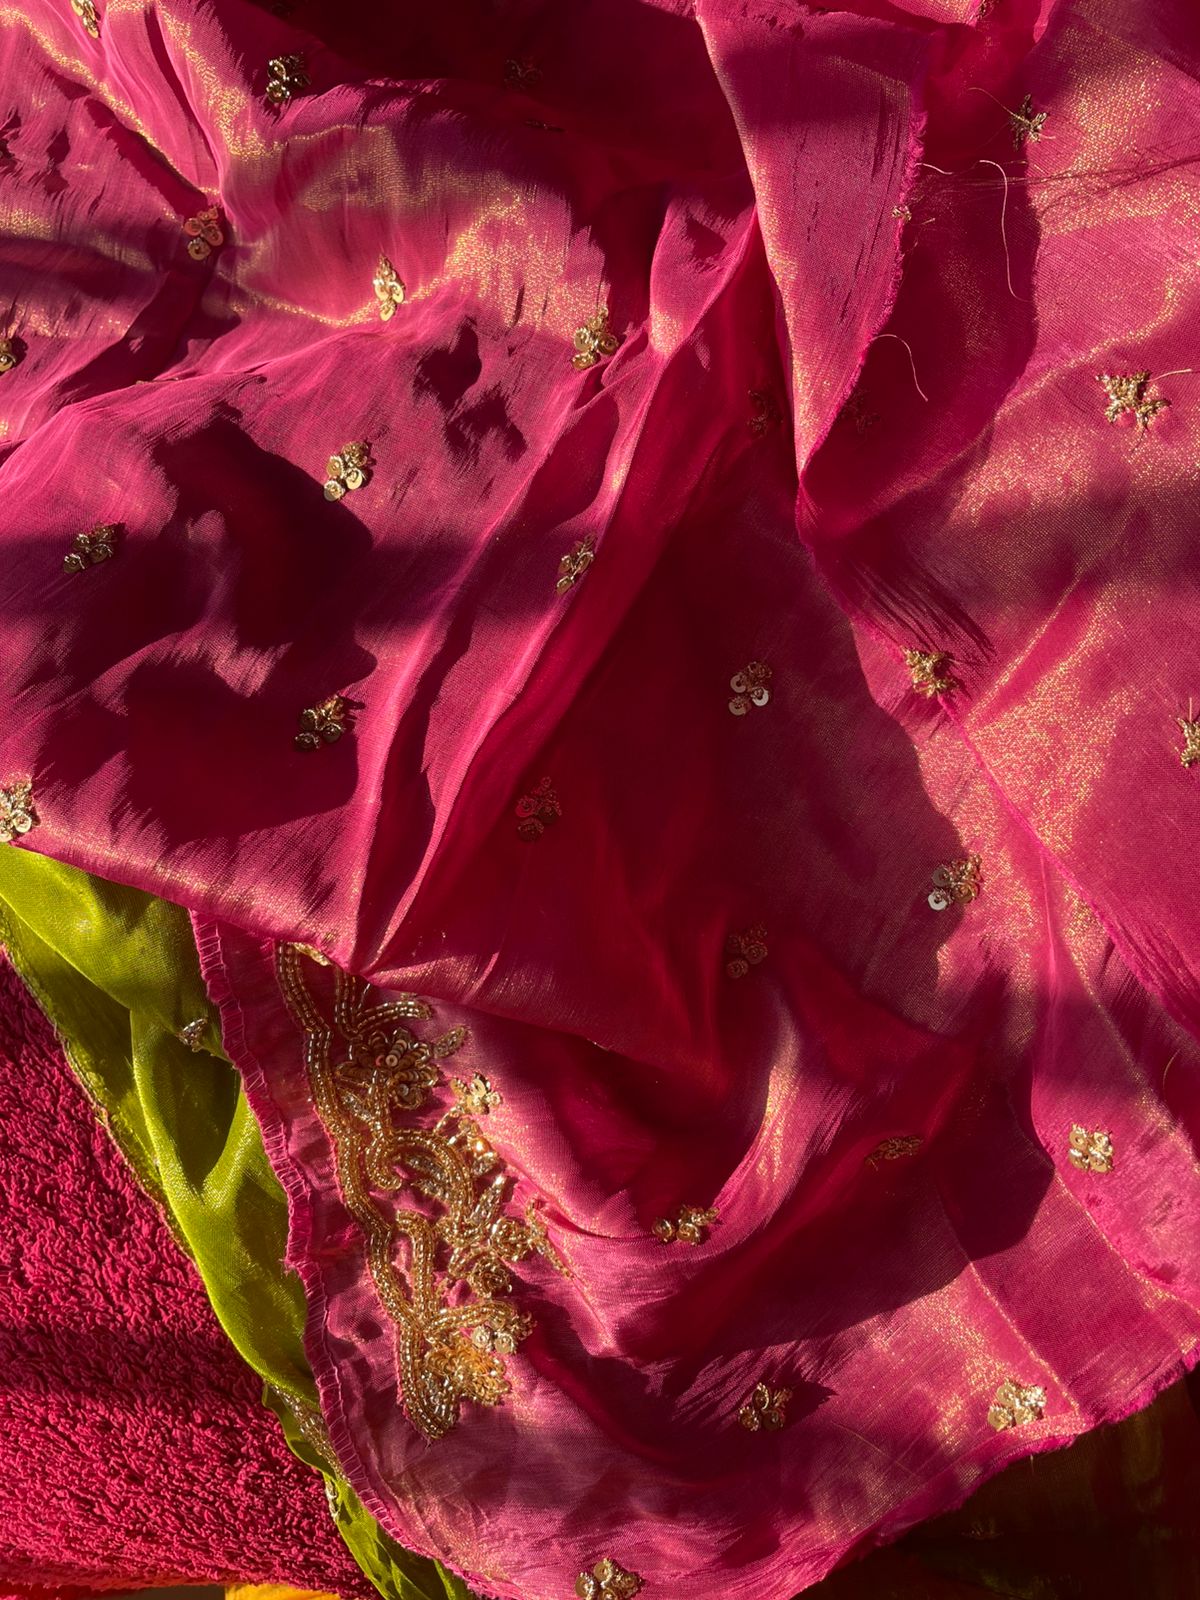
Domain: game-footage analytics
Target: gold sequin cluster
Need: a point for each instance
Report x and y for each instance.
(764, 1408)
(895, 1149)
(389, 290)
(204, 233)
(286, 76)
(956, 883)
(745, 950)
(1191, 741)
(607, 1580)
(537, 809)
(348, 470)
(17, 814)
(1127, 397)
(9, 355)
(1016, 1404)
(575, 563)
(440, 1277)
(1090, 1151)
(594, 341)
(688, 1226)
(85, 10)
(750, 687)
(90, 549)
(930, 672)
(324, 723)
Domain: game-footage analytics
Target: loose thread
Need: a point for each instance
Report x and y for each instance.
(1003, 226)
(911, 358)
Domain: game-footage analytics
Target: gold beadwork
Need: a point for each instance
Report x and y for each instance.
(575, 563)
(192, 1033)
(368, 1074)
(521, 75)
(745, 950)
(389, 291)
(930, 671)
(764, 414)
(905, 1144)
(688, 1226)
(1127, 395)
(956, 883)
(1027, 123)
(537, 808)
(594, 340)
(477, 1097)
(324, 723)
(1015, 1404)
(17, 813)
(607, 1580)
(765, 1408)
(204, 233)
(347, 470)
(750, 688)
(85, 10)
(9, 355)
(1191, 741)
(312, 953)
(286, 76)
(90, 549)
(1090, 1152)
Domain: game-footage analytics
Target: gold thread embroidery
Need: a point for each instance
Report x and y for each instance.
(204, 233)
(389, 290)
(476, 1098)
(905, 1144)
(575, 563)
(1090, 1152)
(365, 1069)
(9, 355)
(348, 470)
(1016, 1404)
(537, 809)
(764, 414)
(286, 76)
(688, 1227)
(745, 950)
(764, 1408)
(750, 688)
(930, 671)
(607, 1580)
(1191, 741)
(1127, 396)
(17, 812)
(312, 953)
(1027, 124)
(324, 723)
(956, 883)
(90, 549)
(85, 10)
(192, 1033)
(594, 340)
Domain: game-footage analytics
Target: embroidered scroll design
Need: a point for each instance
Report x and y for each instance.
(389, 290)
(440, 1277)
(575, 563)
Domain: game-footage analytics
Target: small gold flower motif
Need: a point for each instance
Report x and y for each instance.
(1090, 1152)
(765, 1408)
(286, 76)
(1015, 1404)
(536, 809)
(17, 813)
(745, 950)
(477, 1097)
(523, 75)
(607, 1581)
(389, 291)
(347, 471)
(688, 1226)
(1127, 396)
(192, 1033)
(764, 413)
(90, 549)
(750, 688)
(575, 563)
(956, 883)
(1027, 123)
(9, 355)
(905, 1144)
(85, 10)
(204, 233)
(930, 672)
(324, 723)
(594, 340)
(1191, 741)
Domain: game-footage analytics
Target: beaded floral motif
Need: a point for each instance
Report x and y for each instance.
(204, 233)
(594, 340)
(85, 10)
(9, 355)
(1016, 1404)
(930, 672)
(438, 1249)
(895, 1149)
(1127, 397)
(537, 809)
(750, 688)
(1090, 1151)
(607, 1581)
(324, 723)
(575, 563)
(1027, 124)
(689, 1225)
(90, 549)
(477, 1097)
(192, 1033)
(1191, 741)
(956, 883)
(764, 1408)
(389, 290)
(17, 813)
(745, 950)
(286, 76)
(348, 470)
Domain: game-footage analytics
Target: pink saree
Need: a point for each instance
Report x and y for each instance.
(723, 732)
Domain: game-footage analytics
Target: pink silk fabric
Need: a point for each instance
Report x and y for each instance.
(862, 307)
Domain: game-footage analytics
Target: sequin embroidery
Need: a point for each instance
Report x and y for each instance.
(607, 1581)
(17, 813)
(750, 688)
(389, 290)
(204, 233)
(537, 809)
(575, 563)
(594, 341)
(956, 883)
(348, 470)
(9, 355)
(930, 672)
(745, 950)
(1090, 1151)
(192, 1033)
(286, 76)
(895, 1149)
(1016, 1404)
(90, 549)
(1191, 741)
(324, 723)
(764, 1408)
(85, 10)
(689, 1225)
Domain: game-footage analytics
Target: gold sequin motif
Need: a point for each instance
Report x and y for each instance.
(905, 1144)
(956, 883)
(688, 1226)
(607, 1580)
(369, 1074)
(1027, 124)
(1191, 742)
(750, 688)
(204, 233)
(477, 1097)
(537, 809)
(594, 341)
(764, 1408)
(9, 355)
(1090, 1151)
(192, 1033)
(389, 291)
(930, 671)
(90, 549)
(745, 950)
(1127, 397)
(348, 470)
(286, 76)
(17, 813)
(324, 723)
(1016, 1404)
(85, 10)
(575, 563)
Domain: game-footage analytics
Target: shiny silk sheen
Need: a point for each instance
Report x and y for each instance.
(854, 410)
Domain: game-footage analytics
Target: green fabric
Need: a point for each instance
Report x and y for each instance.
(117, 973)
